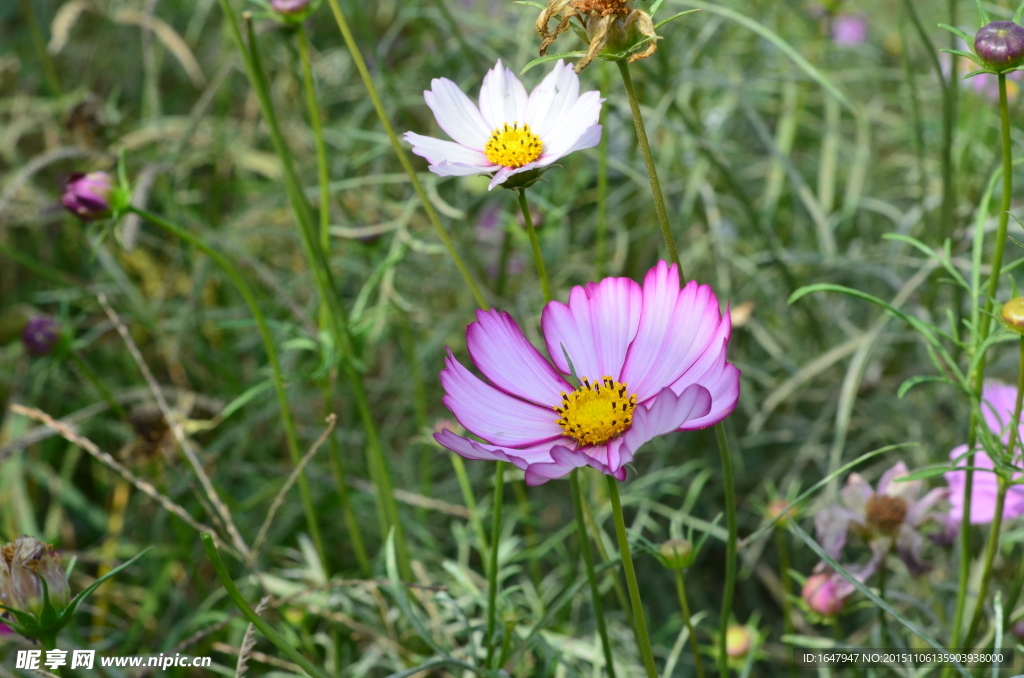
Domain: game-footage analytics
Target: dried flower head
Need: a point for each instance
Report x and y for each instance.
(25, 565)
(613, 28)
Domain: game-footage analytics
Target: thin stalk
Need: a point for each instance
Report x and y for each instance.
(336, 317)
(785, 581)
(639, 623)
(49, 70)
(602, 182)
(355, 532)
(322, 169)
(588, 561)
(503, 257)
(271, 350)
(730, 547)
(949, 118)
(420, 403)
(620, 593)
(91, 377)
(979, 376)
(492, 565)
(470, 501)
(681, 592)
(652, 171)
(50, 643)
(997, 518)
(250, 614)
(403, 157)
(538, 259)
(883, 631)
(519, 487)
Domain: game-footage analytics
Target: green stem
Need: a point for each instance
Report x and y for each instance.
(949, 118)
(49, 70)
(681, 592)
(250, 614)
(993, 536)
(526, 515)
(979, 376)
(538, 259)
(271, 350)
(602, 183)
(492, 565)
(620, 593)
(322, 170)
(470, 501)
(91, 377)
(588, 561)
(355, 532)
(503, 257)
(730, 547)
(639, 623)
(883, 630)
(785, 581)
(403, 157)
(50, 643)
(652, 171)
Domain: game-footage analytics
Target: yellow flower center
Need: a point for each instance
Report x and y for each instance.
(513, 145)
(596, 413)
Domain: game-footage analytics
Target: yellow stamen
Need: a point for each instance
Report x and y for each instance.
(513, 145)
(596, 412)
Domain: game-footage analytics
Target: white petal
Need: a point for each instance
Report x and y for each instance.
(572, 125)
(505, 172)
(437, 151)
(502, 98)
(458, 169)
(591, 137)
(456, 114)
(552, 98)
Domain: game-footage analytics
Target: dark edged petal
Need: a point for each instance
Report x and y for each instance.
(722, 380)
(492, 414)
(665, 413)
(595, 327)
(499, 350)
(520, 457)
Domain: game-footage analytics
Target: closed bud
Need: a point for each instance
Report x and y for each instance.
(777, 508)
(1000, 45)
(677, 554)
(738, 640)
(24, 566)
(41, 335)
(289, 6)
(1013, 315)
(821, 595)
(89, 196)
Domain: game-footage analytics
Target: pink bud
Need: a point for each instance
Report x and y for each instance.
(821, 595)
(87, 196)
(289, 6)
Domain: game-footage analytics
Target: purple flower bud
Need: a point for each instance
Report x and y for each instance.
(87, 196)
(289, 6)
(24, 566)
(40, 335)
(1000, 45)
(821, 594)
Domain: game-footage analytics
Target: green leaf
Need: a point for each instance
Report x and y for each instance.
(552, 57)
(77, 600)
(982, 13)
(871, 595)
(776, 40)
(980, 71)
(925, 329)
(1017, 15)
(242, 400)
(969, 39)
(937, 471)
(966, 55)
(674, 17)
(921, 379)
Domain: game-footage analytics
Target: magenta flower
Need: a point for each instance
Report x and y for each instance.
(826, 593)
(891, 515)
(651, 360)
(40, 335)
(998, 401)
(289, 6)
(509, 132)
(849, 30)
(88, 196)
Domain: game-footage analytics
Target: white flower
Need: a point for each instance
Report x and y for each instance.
(510, 132)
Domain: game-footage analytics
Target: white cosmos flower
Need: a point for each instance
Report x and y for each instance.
(509, 132)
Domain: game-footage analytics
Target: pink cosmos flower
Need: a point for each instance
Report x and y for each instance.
(849, 30)
(509, 132)
(651, 359)
(998, 401)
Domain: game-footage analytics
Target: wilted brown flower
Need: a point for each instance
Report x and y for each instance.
(24, 566)
(612, 27)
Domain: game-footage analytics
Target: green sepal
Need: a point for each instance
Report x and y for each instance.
(1017, 15)
(552, 57)
(980, 71)
(674, 17)
(524, 179)
(69, 611)
(969, 39)
(968, 55)
(982, 13)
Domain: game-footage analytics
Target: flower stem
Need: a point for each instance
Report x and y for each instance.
(782, 548)
(492, 565)
(639, 624)
(992, 547)
(271, 350)
(730, 547)
(652, 171)
(403, 157)
(338, 470)
(538, 259)
(588, 561)
(250, 614)
(681, 591)
(322, 170)
(602, 183)
(979, 376)
(883, 631)
(470, 501)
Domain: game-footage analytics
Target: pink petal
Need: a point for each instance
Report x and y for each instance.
(494, 415)
(520, 457)
(675, 329)
(504, 355)
(456, 114)
(856, 494)
(997, 404)
(983, 490)
(502, 97)
(563, 461)
(665, 413)
(437, 151)
(595, 328)
(887, 483)
(918, 512)
(722, 380)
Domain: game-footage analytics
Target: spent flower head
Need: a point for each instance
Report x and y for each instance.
(41, 335)
(887, 516)
(612, 29)
(509, 134)
(29, 573)
(649, 359)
